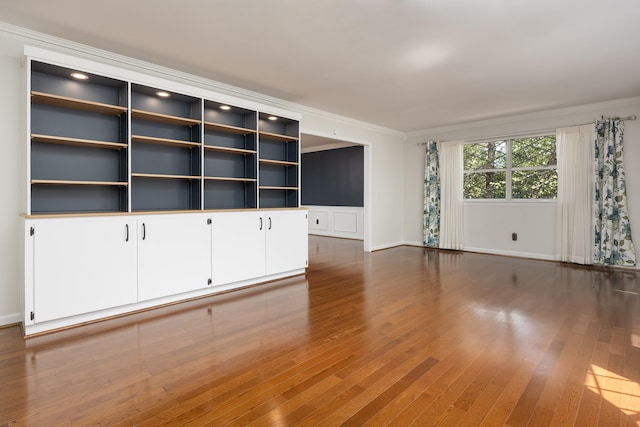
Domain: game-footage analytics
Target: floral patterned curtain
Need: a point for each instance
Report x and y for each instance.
(431, 196)
(613, 245)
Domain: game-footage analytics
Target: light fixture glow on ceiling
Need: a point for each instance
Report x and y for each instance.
(272, 118)
(79, 76)
(162, 94)
(225, 107)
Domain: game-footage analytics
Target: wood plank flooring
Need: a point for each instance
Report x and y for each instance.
(404, 336)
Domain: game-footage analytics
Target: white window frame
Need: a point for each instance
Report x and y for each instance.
(508, 170)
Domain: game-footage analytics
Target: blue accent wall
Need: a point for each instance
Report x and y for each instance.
(333, 177)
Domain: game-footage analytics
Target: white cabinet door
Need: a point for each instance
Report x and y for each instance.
(238, 246)
(287, 240)
(174, 254)
(82, 265)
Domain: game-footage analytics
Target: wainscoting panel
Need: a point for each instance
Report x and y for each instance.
(337, 221)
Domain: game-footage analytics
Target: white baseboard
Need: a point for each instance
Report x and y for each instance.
(511, 253)
(10, 319)
(412, 243)
(493, 252)
(335, 234)
(386, 246)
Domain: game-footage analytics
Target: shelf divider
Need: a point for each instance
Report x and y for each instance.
(63, 140)
(74, 182)
(228, 129)
(164, 176)
(277, 137)
(163, 141)
(228, 149)
(163, 118)
(224, 178)
(274, 187)
(278, 162)
(77, 104)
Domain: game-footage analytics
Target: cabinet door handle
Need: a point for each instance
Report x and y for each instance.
(269, 223)
(144, 231)
(260, 223)
(126, 227)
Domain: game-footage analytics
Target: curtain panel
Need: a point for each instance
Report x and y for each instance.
(574, 236)
(451, 191)
(612, 244)
(431, 225)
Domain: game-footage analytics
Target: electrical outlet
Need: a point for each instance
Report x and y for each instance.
(514, 236)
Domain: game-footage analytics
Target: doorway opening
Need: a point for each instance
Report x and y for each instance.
(335, 186)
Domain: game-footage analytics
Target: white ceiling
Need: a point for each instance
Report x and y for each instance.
(403, 64)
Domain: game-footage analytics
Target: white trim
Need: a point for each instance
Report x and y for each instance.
(418, 244)
(510, 253)
(334, 146)
(160, 82)
(10, 319)
(386, 246)
(107, 314)
(78, 50)
(514, 202)
(519, 118)
(337, 234)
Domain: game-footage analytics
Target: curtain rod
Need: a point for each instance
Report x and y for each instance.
(537, 132)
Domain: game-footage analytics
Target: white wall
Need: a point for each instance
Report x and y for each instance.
(383, 150)
(12, 175)
(488, 225)
(383, 160)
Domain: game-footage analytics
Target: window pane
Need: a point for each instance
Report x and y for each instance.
(485, 155)
(485, 185)
(531, 152)
(534, 184)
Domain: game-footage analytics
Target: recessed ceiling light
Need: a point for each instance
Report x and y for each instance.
(163, 94)
(272, 118)
(225, 107)
(79, 76)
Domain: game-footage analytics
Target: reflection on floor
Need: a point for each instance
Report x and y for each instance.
(404, 336)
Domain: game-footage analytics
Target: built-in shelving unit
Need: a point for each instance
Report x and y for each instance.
(78, 149)
(100, 144)
(102, 140)
(165, 150)
(229, 157)
(279, 161)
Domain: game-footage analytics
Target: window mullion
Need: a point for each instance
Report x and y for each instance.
(508, 172)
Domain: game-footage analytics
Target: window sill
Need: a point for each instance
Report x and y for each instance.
(521, 202)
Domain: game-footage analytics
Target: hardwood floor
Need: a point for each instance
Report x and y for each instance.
(404, 336)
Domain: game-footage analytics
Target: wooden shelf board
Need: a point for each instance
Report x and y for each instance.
(163, 141)
(228, 129)
(73, 182)
(278, 137)
(78, 104)
(229, 149)
(273, 187)
(164, 176)
(278, 162)
(50, 139)
(222, 178)
(163, 118)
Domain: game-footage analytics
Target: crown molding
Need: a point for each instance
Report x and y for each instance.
(519, 118)
(99, 55)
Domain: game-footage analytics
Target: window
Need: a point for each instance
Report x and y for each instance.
(524, 168)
